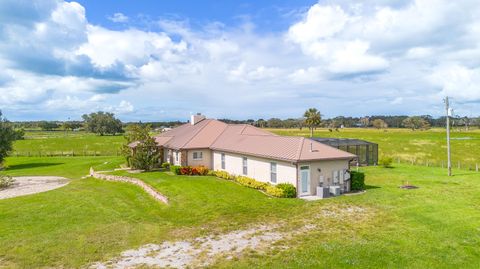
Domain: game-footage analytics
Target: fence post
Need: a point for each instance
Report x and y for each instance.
(476, 167)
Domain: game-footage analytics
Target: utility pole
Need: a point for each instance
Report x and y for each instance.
(449, 164)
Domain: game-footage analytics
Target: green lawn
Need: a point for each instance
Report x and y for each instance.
(435, 226)
(407, 144)
(65, 143)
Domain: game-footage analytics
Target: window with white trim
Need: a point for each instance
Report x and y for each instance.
(176, 156)
(245, 167)
(273, 172)
(223, 160)
(197, 155)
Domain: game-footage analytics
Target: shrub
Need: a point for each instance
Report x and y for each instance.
(185, 170)
(251, 183)
(6, 181)
(274, 191)
(166, 166)
(223, 174)
(202, 170)
(288, 189)
(357, 181)
(175, 169)
(386, 162)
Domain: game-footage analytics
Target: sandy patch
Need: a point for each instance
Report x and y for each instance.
(203, 251)
(32, 185)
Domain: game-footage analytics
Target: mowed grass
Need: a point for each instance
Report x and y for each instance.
(67, 143)
(408, 145)
(435, 226)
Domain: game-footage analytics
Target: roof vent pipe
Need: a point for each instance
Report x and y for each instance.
(311, 147)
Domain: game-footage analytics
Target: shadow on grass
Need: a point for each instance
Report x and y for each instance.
(30, 165)
(370, 187)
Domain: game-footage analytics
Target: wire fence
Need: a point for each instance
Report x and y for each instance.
(464, 165)
(67, 153)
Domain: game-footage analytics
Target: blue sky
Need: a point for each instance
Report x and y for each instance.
(163, 60)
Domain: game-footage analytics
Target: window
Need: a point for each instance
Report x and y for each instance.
(176, 156)
(245, 168)
(273, 172)
(336, 177)
(223, 160)
(197, 155)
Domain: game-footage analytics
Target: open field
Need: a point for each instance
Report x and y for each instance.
(408, 145)
(89, 220)
(43, 143)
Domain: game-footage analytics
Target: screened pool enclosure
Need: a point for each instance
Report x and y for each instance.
(367, 152)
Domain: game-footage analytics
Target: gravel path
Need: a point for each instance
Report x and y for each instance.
(32, 185)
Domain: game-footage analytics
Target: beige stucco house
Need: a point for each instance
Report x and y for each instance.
(242, 149)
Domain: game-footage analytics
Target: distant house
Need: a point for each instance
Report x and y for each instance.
(242, 149)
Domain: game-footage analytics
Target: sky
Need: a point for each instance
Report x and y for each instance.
(147, 60)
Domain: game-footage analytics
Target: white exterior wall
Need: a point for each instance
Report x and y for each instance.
(257, 168)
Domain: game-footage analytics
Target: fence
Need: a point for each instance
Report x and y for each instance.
(69, 153)
(443, 164)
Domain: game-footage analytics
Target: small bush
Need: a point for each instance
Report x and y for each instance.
(175, 169)
(201, 170)
(251, 183)
(386, 162)
(357, 181)
(223, 174)
(288, 189)
(274, 191)
(6, 181)
(166, 166)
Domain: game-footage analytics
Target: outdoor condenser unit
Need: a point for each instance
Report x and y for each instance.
(335, 190)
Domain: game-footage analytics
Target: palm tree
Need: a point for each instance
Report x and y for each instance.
(313, 118)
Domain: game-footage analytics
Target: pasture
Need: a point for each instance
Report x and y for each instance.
(89, 220)
(60, 143)
(410, 146)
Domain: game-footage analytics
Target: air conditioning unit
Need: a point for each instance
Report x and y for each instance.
(323, 192)
(335, 190)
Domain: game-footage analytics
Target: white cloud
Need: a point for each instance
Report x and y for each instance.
(352, 58)
(118, 17)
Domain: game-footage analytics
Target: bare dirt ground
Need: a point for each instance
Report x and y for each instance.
(204, 251)
(32, 184)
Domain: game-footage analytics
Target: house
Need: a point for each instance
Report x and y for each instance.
(242, 149)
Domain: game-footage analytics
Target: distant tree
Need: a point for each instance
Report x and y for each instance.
(7, 136)
(261, 123)
(275, 123)
(379, 124)
(71, 125)
(416, 123)
(365, 121)
(145, 154)
(313, 119)
(48, 125)
(102, 123)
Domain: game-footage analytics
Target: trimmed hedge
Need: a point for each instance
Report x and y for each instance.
(284, 190)
(358, 181)
(274, 191)
(166, 166)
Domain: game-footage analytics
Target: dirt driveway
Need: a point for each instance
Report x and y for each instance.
(33, 184)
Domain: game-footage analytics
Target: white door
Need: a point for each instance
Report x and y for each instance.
(305, 180)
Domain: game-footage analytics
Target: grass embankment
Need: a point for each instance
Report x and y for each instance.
(409, 145)
(435, 226)
(67, 143)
